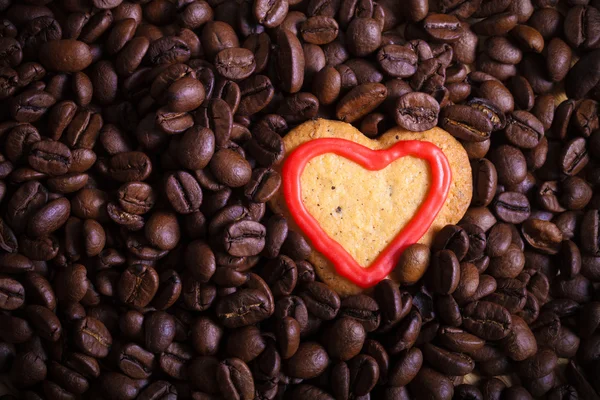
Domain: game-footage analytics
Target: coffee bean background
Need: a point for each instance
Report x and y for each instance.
(137, 144)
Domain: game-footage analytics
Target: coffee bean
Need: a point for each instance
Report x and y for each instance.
(244, 307)
(184, 192)
(446, 361)
(92, 337)
(485, 181)
(309, 361)
(244, 238)
(430, 383)
(542, 235)
(487, 320)
(512, 207)
(138, 285)
(44, 322)
(445, 273)
(320, 300)
(136, 362)
(416, 111)
(266, 146)
(360, 101)
(49, 218)
(159, 331)
(130, 166)
(65, 55)
(524, 130)
(443, 27)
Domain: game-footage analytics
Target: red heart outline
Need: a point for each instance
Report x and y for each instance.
(373, 160)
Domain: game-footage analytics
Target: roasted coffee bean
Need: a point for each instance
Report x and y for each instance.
(485, 181)
(466, 123)
(159, 331)
(443, 27)
(44, 322)
(360, 101)
(412, 264)
(320, 300)
(432, 384)
(487, 320)
(230, 168)
(512, 207)
(281, 274)
(446, 361)
(92, 337)
(524, 130)
(405, 334)
(12, 294)
(397, 61)
(266, 146)
(130, 166)
(184, 192)
(574, 157)
(136, 362)
(298, 365)
(290, 61)
(416, 111)
(510, 164)
(65, 55)
(445, 272)
(31, 105)
(244, 307)
(542, 235)
(363, 309)
(138, 285)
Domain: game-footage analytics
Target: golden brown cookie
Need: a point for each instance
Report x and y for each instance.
(364, 210)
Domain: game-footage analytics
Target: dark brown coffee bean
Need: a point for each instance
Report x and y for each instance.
(244, 238)
(12, 294)
(184, 192)
(346, 338)
(360, 101)
(542, 235)
(429, 383)
(49, 157)
(512, 207)
(49, 218)
(92, 337)
(290, 61)
(65, 55)
(416, 111)
(130, 166)
(230, 168)
(449, 362)
(405, 334)
(138, 285)
(244, 307)
(363, 36)
(235, 63)
(266, 146)
(299, 366)
(321, 300)
(445, 273)
(31, 105)
(524, 130)
(472, 123)
(397, 61)
(446, 28)
(487, 320)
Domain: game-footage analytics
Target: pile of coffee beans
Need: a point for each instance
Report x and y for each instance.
(138, 258)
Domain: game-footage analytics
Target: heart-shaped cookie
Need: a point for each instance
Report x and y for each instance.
(362, 201)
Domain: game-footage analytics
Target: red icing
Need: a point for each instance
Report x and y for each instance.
(374, 160)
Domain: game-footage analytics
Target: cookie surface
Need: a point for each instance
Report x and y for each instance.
(364, 210)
